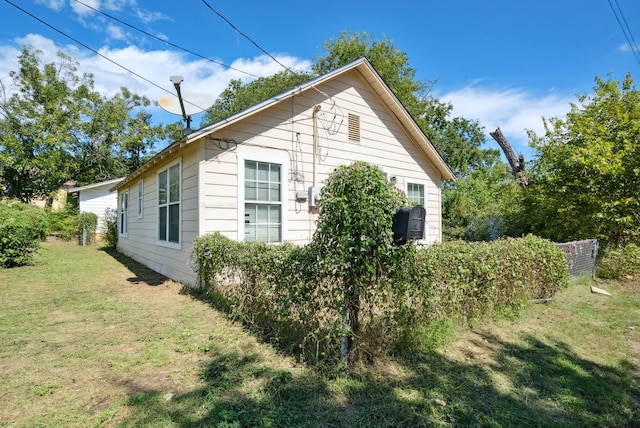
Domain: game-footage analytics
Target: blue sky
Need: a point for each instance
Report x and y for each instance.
(503, 63)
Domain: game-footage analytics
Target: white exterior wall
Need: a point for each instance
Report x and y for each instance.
(141, 242)
(210, 170)
(97, 201)
(273, 133)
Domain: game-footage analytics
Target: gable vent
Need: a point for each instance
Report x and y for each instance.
(354, 127)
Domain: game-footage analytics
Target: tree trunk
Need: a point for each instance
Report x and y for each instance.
(351, 311)
(516, 163)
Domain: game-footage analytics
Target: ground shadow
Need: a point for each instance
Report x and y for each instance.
(143, 275)
(550, 386)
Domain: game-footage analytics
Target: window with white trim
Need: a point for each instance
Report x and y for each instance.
(123, 208)
(264, 200)
(169, 190)
(415, 194)
(140, 198)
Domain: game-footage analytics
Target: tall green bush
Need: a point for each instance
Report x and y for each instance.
(22, 227)
(354, 242)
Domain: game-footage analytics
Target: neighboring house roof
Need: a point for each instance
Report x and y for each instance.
(366, 70)
(113, 182)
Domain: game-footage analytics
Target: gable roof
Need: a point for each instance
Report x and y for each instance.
(366, 71)
(110, 183)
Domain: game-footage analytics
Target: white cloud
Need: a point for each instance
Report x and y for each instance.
(201, 76)
(56, 5)
(513, 110)
(148, 16)
(81, 10)
(116, 33)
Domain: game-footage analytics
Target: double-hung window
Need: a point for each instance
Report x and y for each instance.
(415, 194)
(124, 212)
(264, 204)
(169, 205)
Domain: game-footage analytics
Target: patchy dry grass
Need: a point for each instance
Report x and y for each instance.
(89, 338)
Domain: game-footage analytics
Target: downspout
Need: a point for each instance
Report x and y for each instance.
(314, 117)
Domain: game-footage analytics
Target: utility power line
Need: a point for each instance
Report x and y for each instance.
(624, 26)
(163, 40)
(95, 51)
(247, 37)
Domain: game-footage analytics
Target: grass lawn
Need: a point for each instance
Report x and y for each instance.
(88, 338)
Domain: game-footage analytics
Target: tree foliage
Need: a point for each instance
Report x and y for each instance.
(588, 168)
(238, 96)
(54, 126)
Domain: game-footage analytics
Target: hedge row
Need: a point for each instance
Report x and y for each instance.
(279, 291)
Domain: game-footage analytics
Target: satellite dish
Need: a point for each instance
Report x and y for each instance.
(194, 103)
(185, 105)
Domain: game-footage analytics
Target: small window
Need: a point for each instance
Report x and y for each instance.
(124, 212)
(354, 127)
(169, 205)
(140, 198)
(415, 194)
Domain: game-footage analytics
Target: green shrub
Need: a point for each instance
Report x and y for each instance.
(87, 225)
(64, 223)
(22, 227)
(619, 263)
(111, 225)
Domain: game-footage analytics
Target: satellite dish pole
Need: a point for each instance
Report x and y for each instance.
(177, 80)
(192, 103)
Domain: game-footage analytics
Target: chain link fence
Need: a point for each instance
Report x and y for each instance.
(581, 256)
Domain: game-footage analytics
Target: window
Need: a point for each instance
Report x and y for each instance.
(124, 212)
(140, 193)
(415, 194)
(262, 211)
(169, 205)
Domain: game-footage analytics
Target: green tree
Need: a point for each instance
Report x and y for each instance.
(483, 205)
(36, 122)
(586, 175)
(54, 126)
(239, 96)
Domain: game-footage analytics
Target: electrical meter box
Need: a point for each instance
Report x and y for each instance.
(408, 224)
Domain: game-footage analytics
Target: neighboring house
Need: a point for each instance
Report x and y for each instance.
(57, 202)
(96, 198)
(255, 175)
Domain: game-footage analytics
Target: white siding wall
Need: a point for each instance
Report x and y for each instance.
(141, 242)
(97, 201)
(273, 133)
(210, 170)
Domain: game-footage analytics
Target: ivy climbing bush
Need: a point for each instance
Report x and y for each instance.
(22, 227)
(351, 292)
(354, 244)
(467, 281)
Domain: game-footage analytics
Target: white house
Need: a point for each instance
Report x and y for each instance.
(255, 175)
(96, 198)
